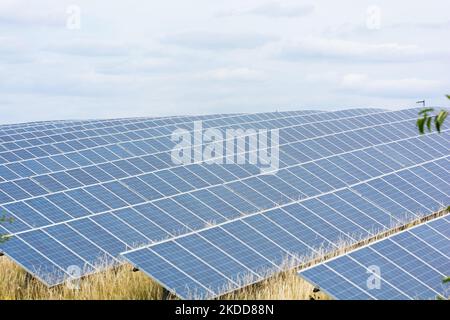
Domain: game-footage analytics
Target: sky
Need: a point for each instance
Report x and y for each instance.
(84, 59)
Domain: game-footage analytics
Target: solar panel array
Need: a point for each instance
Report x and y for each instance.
(46, 169)
(82, 193)
(408, 265)
(372, 189)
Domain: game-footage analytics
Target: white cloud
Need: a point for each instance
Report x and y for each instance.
(399, 88)
(23, 13)
(145, 58)
(432, 25)
(90, 48)
(272, 9)
(14, 51)
(217, 41)
(9, 45)
(353, 51)
(222, 74)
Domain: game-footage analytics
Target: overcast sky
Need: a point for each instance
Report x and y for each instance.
(147, 58)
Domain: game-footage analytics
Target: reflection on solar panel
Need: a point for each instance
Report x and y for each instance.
(408, 265)
(83, 192)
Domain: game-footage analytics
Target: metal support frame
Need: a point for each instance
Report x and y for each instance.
(166, 294)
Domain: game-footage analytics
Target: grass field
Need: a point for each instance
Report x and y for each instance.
(122, 283)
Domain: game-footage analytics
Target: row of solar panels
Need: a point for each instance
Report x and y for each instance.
(137, 133)
(122, 141)
(73, 200)
(139, 130)
(126, 161)
(62, 132)
(408, 265)
(66, 174)
(18, 132)
(54, 124)
(57, 125)
(81, 213)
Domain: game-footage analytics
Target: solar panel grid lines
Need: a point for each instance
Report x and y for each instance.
(149, 122)
(99, 124)
(408, 283)
(427, 244)
(168, 117)
(128, 253)
(188, 296)
(74, 199)
(25, 125)
(411, 275)
(54, 124)
(102, 145)
(60, 134)
(57, 126)
(313, 197)
(55, 171)
(135, 140)
(227, 285)
(121, 226)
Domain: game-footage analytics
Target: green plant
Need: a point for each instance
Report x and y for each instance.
(4, 219)
(445, 280)
(427, 117)
(426, 120)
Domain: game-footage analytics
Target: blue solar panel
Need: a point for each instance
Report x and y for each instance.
(116, 188)
(408, 265)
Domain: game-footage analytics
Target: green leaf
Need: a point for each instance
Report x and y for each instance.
(429, 124)
(4, 238)
(446, 280)
(426, 110)
(3, 218)
(448, 96)
(420, 125)
(442, 116)
(437, 124)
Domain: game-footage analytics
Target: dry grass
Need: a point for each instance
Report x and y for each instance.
(115, 284)
(284, 286)
(123, 284)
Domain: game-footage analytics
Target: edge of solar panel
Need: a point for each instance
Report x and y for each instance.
(316, 280)
(67, 121)
(6, 126)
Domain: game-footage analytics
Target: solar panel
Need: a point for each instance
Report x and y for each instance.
(407, 265)
(63, 186)
(289, 233)
(117, 190)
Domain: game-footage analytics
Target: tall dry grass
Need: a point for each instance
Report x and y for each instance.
(123, 284)
(120, 283)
